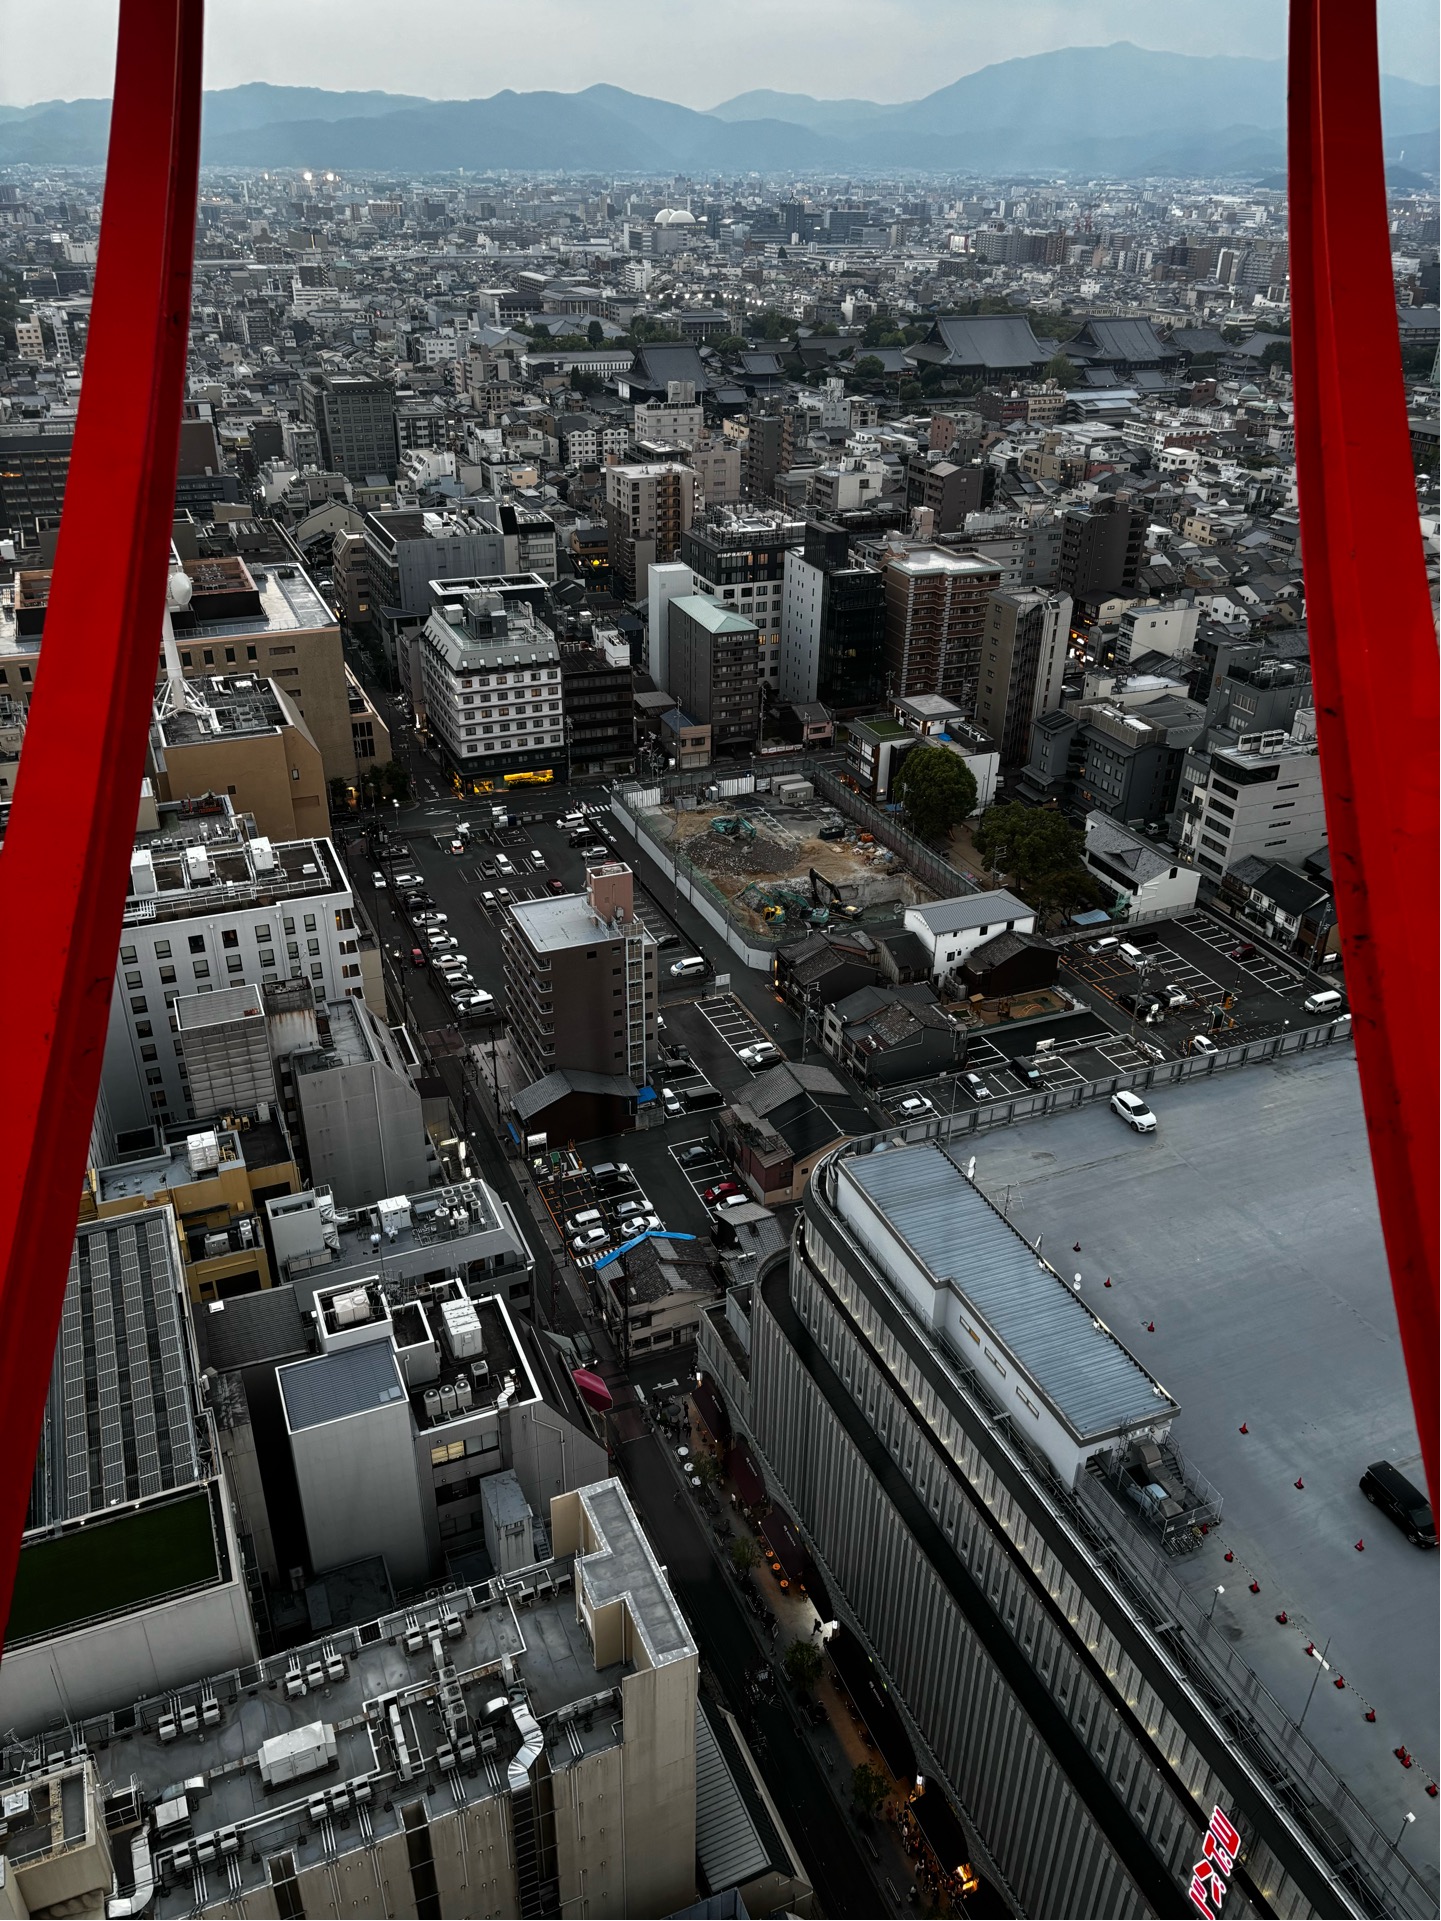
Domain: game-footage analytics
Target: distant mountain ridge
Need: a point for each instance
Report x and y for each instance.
(1145, 112)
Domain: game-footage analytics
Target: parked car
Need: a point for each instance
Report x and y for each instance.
(487, 898)
(504, 865)
(595, 850)
(720, 1192)
(728, 1201)
(537, 860)
(1028, 1073)
(556, 884)
(912, 1107)
(1387, 1487)
(441, 944)
(1243, 951)
(504, 896)
(634, 1224)
(1133, 1111)
(758, 1054)
(1203, 1044)
(417, 957)
(623, 1209)
(588, 1242)
(674, 1103)
(429, 917)
(473, 1000)
(405, 880)
(1173, 996)
(977, 1088)
(697, 1151)
(487, 869)
(580, 835)
(377, 879)
(456, 846)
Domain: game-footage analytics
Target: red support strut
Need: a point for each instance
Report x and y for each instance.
(66, 859)
(1373, 642)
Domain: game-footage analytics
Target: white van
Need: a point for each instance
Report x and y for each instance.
(1328, 1001)
(1132, 954)
(692, 964)
(1107, 945)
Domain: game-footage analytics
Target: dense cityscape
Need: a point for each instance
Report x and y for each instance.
(729, 1263)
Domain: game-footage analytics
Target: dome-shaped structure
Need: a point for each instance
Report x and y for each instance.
(1249, 393)
(675, 217)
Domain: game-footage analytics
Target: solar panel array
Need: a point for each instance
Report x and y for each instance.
(119, 1421)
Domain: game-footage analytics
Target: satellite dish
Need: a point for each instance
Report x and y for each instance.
(178, 590)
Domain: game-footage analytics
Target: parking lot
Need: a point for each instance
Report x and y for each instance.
(1062, 1055)
(1230, 1000)
(700, 1165)
(737, 1026)
(570, 1188)
(1245, 1232)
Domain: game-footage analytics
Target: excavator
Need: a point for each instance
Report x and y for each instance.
(821, 888)
(734, 824)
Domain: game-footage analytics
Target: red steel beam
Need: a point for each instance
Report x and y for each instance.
(64, 867)
(1373, 642)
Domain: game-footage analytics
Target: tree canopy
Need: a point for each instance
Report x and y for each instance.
(803, 1665)
(937, 790)
(1039, 851)
(1062, 369)
(868, 368)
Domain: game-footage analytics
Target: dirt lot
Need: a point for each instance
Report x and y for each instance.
(784, 852)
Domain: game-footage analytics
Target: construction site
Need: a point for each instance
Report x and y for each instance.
(782, 868)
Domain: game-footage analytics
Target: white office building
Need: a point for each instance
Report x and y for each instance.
(492, 684)
(210, 907)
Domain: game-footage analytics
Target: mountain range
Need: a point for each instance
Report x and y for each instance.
(1119, 110)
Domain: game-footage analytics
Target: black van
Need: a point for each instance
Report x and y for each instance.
(1386, 1487)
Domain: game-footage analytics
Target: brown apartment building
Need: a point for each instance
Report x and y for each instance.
(580, 980)
(648, 506)
(243, 738)
(936, 614)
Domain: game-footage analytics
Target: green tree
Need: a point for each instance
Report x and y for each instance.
(869, 1789)
(339, 791)
(595, 334)
(396, 781)
(828, 330)
(728, 343)
(869, 368)
(1039, 851)
(803, 1665)
(705, 1467)
(1062, 369)
(744, 1554)
(774, 326)
(937, 790)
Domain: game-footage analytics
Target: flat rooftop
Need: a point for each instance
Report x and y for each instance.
(288, 603)
(235, 872)
(157, 1174)
(567, 921)
(1246, 1229)
(240, 704)
(952, 1230)
(433, 1671)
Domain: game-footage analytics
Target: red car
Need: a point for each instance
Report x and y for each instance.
(720, 1191)
(556, 885)
(417, 959)
(1244, 950)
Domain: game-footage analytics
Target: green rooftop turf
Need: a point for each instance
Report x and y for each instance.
(108, 1566)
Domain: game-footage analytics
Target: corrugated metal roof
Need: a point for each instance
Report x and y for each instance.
(349, 1380)
(1092, 1380)
(727, 1846)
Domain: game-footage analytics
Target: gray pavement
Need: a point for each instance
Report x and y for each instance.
(1246, 1229)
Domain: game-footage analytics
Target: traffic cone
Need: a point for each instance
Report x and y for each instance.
(1244, 1428)
(1150, 1327)
(1281, 1617)
(1299, 1481)
(1360, 1547)
(1431, 1789)
(1339, 1682)
(1370, 1714)
(1229, 1555)
(1075, 1247)
(1310, 1647)
(1255, 1587)
(1402, 1756)
(1108, 1280)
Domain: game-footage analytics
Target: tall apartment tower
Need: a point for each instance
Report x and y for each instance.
(1102, 547)
(770, 450)
(937, 603)
(950, 1483)
(1023, 662)
(712, 668)
(354, 420)
(580, 980)
(834, 622)
(648, 507)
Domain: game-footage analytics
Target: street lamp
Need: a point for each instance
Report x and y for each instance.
(1324, 1667)
(1214, 1599)
(1404, 1825)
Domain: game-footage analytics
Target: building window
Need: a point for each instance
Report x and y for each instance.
(317, 972)
(142, 1030)
(202, 970)
(162, 950)
(229, 937)
(292, 950)
(267, 957)
(262, 934)
(137, 1004)
(197, 943)
(133, 979)
(127, 955)
(310, 923)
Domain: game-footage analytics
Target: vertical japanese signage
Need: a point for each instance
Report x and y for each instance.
(1210, 1875)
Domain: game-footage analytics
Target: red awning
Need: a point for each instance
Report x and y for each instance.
(746, 1475)
(712, 1411)
(781, 1538)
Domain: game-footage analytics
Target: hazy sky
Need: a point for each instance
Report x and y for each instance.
(691, 51)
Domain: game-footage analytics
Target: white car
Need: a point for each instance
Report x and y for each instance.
(377, 879)
(635, 1224)
(487, 898)
(503, 865)
(474, 1000)
(674, 1105)
(1133, 1111)
(536, 860)
(729, 1201)
(977, 1088)
(1203, 1044)
(401, 881)
(758, 1054)
(437, 944)
(589, 1241)
(430, 917)
(913, 1107)
(452, 965)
